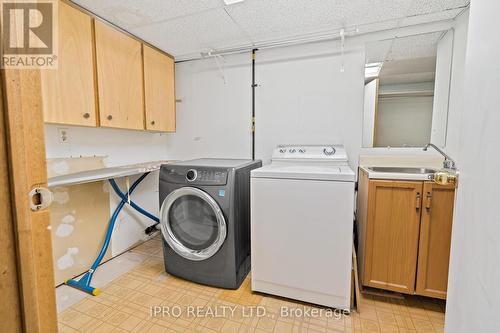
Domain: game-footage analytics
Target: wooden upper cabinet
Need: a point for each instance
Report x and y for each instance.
(159, 90)
(120, 78)
(393, 220)
(68, 93)
(435, 239)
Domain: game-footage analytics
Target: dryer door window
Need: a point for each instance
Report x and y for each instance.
(192, 223)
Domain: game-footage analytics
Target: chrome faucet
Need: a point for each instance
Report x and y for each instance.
(448, 163)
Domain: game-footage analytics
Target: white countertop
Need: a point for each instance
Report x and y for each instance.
(393, 175)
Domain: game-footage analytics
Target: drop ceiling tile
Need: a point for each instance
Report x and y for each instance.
(433, 17)
(378, 51)
(133, 13)
(366, 11)
(190, 26)
(207, 30)
(264, 20)
(418, 46)
(410, 66)
(420, 7)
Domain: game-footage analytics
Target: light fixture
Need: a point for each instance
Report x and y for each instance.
(232, 2)
(372, 70)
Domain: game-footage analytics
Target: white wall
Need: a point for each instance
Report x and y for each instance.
(213, 119)
(456, 102)
(407, 87)
(404, 121)
(444, 60)
(121, 147)
(370, 106)
(473, 287)
(302, 98)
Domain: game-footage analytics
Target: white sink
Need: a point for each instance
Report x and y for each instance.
(410, 170)
(403, 173)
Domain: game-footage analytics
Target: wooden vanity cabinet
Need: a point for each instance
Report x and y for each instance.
(68, 92)
(404, 232)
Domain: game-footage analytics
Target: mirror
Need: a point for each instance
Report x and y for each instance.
(407, 83)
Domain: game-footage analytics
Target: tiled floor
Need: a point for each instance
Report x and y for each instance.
(127, 304)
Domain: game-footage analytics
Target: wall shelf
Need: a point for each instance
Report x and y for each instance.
(104, 174)
(420, 93)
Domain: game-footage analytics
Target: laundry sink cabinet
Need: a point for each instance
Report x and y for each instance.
(404, 235)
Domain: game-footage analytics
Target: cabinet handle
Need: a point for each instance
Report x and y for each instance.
(429, 200)
(110, 117)
(153, 123)
(418, 203)
(86, 115)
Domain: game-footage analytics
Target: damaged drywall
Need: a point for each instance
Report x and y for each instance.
(79, 217)
(67, 165)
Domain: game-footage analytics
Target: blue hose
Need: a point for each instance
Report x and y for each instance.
(133, 204)
(84, 282)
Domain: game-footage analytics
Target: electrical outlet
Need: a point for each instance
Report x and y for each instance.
(63, 135)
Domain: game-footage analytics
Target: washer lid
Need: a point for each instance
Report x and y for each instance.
(306, 172)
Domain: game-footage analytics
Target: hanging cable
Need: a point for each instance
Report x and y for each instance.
(126, 198)
(254, 85)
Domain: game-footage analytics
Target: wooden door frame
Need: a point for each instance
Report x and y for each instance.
(11, 307)
(31, 293)
(375, 114)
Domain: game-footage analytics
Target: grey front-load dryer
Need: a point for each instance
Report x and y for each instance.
(205, 220)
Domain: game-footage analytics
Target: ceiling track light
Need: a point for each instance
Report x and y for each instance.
(372, 70)
(232, 2)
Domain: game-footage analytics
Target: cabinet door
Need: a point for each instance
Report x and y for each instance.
(68, 93)
(392, 235)
(435, 239)
(119, 74)
(159, 91)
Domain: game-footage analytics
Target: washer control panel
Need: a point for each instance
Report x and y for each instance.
(332, 153)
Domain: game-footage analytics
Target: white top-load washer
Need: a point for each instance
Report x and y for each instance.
(302, 223)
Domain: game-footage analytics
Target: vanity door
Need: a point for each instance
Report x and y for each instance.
(394, 209)
(435, 239)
